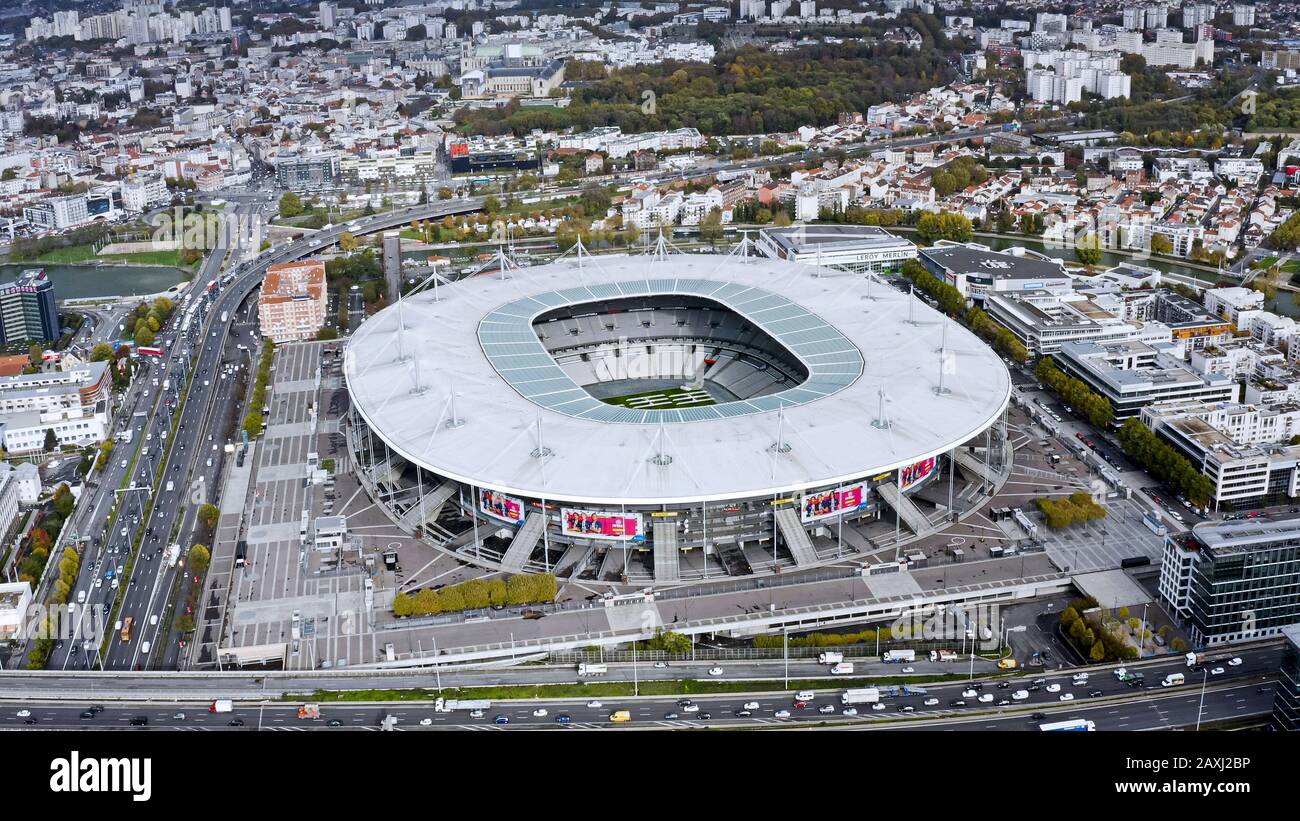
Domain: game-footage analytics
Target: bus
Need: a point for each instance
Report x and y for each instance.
(1074, 724)
(147, 351)
(126, 628)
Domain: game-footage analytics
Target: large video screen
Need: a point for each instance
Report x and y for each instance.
(914, 474)
(814, 506)
(600, 524)
(501, 506)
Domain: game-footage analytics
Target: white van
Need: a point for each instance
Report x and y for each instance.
(81, 597)
(144, 648)
(804, 695)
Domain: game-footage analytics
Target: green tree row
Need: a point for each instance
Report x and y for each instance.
(477, 594)
(1067, 510)
(1162, 461)
(1075, 393)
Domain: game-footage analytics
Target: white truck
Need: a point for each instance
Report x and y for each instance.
(225, 317)
(171, 486)
(450, 704)
(830, 658)
(844, 668)
(173, 554)
(221, 705)
(592, 669)
(861, 695)
(126, 436)
(892, 656)
(1173, 680)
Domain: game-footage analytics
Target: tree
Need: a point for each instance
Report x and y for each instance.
(209, 514)
(711, 226)
(35, 355)
(290, 205)
(51, 440)
(491, 204)
(143, 335)
(199, 558)
(102, 352)
(348, 241)
(1087, 250)
(1160, 244)
(253, 424)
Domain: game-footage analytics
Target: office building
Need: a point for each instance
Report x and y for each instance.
(1133, 375)
(1233, 581)
(27, 309)
(1286, 697)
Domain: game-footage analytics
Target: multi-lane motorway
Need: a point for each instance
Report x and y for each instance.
(1241, 692)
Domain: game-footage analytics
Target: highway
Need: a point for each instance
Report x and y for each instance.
(1239, 692)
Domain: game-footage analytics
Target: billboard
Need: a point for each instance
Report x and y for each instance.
(601, 524)
(914, 474)
(501, 506)
(847, 499)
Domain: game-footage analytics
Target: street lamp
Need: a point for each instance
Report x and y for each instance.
(1205, 677)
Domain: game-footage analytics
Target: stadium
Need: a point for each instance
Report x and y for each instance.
(671, 417)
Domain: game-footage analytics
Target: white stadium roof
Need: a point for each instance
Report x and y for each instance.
(476, 342)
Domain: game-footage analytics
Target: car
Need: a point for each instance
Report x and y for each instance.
(1217, 671)
(715, 671)
(659, 665)
(1002, 685)
(704, 716)
(670, 716)
(563, 718)
(690, 708)
(1004, 702)
(906, 708)
(96, 709)
(178, 717)
(1034, 688)
(969, 693)
(909, 669)
(425, 722)
(743, 713)
(475, 713)
(29, 721)
(800, 704)
(986, 698)
(334, 722)
(501, 720)
(931, 702)
(236, 722)
(24, 713)
(957, 702)
(99, 582)
(879, 705)
(852, 711)
(87, 714)
(1234, 662)
(1053, 688)
(826, 709)
(594, 705)
(540, 712)
(1038, 717)
(1067, 696)
(781, 714)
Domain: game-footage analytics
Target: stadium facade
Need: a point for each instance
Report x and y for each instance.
(669, 417)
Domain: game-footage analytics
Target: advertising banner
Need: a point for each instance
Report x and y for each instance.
(501, 506)
(814, 506)
(601, 524)
(913, 474)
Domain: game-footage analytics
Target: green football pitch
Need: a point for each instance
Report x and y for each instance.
(665, 399)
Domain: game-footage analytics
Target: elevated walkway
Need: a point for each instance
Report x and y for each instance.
(521, 546)
(905, 507)
(667, 568)
(427, 507)
(970, 463)
(796, 538)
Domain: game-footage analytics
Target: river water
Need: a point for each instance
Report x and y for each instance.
(89, 282)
